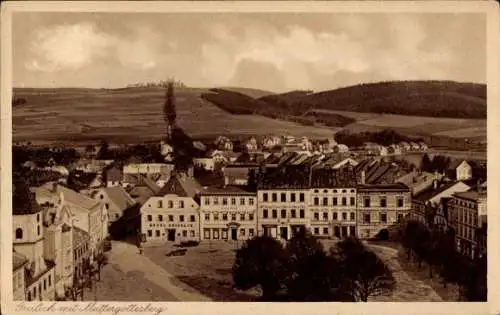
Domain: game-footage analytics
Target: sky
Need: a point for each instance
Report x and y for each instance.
(271, 51)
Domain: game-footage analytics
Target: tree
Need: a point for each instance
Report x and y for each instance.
(425, 165)
(252, 180)
(102, 260)
(365, 273)
(261, 261)
(473, 286)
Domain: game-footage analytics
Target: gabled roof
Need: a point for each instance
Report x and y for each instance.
(114, 174)
(181, 185)
(456, 164)
(119, 197)
(430, 192)
(71, 196)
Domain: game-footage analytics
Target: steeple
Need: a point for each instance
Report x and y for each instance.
(169, 111)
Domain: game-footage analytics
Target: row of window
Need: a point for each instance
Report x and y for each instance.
(337, 231)
(170, 204)
(466, 232)
(47, 283)
(79, 252)
(336, 191)
(170, 218)
(224, 201)
(335, 201)
(367, 218)
(283, 197)
(367, 201)
(223, 233)
(467, 217)
(335, 216)
(464, 203)
(158, 233)
(283, 213)
(225, 217)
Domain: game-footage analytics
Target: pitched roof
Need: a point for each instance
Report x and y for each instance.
(79, 236)
(119, 197)
(382, 187)
(180, 185)
(18, 260)
(71, 196)
(327, 178)
(23, 200)
(114, 174)
(227, 190)
(470, 195)
(430, 192)
(456, 164)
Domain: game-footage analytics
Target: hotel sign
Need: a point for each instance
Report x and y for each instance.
(179, 225)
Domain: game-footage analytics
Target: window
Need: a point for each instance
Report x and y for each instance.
(170, 204)
(353, 216)
(38, 217)
(293, 213)
(302, 197)
(160, 204)
(325, 231)
(366, 218)
(325, 201)
(38, 230)
(181, 218)
(383, 202)
(224, 201)
(251, 232)
(224, 216)
(265, 197)
(400, 202)
(316, 201)
(181, 204)
(160, 218)
(265, 214)
(316, 230)
(250, 201)
(192, 218)
(275, 213)
(34, 292)
(233, 217)
(101, 196)
(344, 191)
(216, 234)
(50, 280)
(250, 217)
(316, 216)
(184, 233)
(335, 201)
(344, 216)
(302, 213)
(171, 218)
(191, 233)
(150, 233)
(216, 201)
(292, 197)
(150, 218)
(274, 197)
(367, 202)
(242, 232)
(216, 217)
(242, 217)
(242, 201)
(206, 234)
(157, 233)
(44, 284)
(335, 216)
(29, 296)
(344, 201)
(233, 201)
(207, 201)
(353, 201)
(283, 197)
(224, 234)
(400, 217)
(325, 216)
(283, 214)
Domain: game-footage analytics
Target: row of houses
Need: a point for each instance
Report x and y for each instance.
(328, 203)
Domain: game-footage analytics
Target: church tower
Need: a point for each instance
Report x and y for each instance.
(169, 111)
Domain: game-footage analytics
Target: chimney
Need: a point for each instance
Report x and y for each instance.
(363, 177)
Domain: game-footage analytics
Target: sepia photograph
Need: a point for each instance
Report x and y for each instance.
(247, 156)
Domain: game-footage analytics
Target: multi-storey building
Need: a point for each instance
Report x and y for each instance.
(28, 240)
(467, 212)
(282, 203)
(228, 213)
(381, 207)
(332, 203)
(19, 263)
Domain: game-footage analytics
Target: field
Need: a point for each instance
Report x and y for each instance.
(451, 127)
(133, 115)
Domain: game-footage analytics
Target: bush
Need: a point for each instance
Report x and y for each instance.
(383, 235)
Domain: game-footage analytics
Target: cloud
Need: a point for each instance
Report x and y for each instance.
(72, 47)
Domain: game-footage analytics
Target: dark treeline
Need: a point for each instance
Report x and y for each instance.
(303, 271)
(385, 137)
(436, 248)
(439, 163)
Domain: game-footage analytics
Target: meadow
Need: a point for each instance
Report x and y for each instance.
(133, 114)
